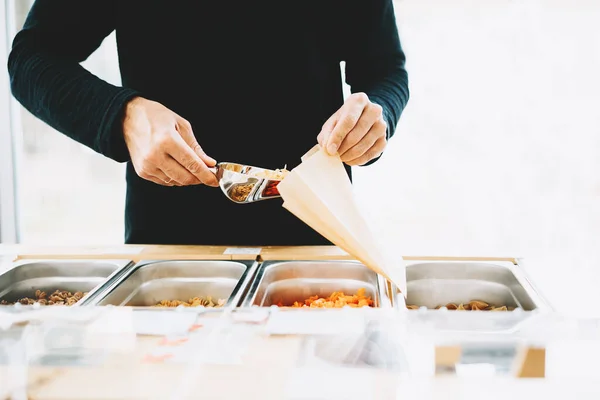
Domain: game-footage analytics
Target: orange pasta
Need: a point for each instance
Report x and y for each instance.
(335, 300)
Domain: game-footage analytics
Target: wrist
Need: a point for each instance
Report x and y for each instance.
(111, 138)
(131, 108)
(133, 105)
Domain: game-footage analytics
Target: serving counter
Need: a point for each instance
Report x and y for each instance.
(113, 344)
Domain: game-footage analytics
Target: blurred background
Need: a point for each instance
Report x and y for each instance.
(498, 152)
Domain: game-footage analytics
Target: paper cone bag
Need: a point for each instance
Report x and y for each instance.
(319, 193)
(313, 212)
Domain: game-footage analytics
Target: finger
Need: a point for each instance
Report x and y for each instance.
(153, 174)
(370, 118)
(159, 181)
(363, 145)
(190, 161)
(176, 172)
(349, 116)
(185, 130)
(327, 128)
(165, 179)
(375, 151)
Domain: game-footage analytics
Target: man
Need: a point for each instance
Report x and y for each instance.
(252, 82)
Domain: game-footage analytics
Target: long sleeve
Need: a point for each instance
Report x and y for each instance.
(47, 78)
(375, 61)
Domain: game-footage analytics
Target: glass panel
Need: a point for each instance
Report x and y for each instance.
(68, 193)
(8, 218)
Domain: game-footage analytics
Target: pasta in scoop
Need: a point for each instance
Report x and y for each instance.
(276, 175)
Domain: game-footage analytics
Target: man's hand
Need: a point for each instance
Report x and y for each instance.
(357, 131)
(163, 148)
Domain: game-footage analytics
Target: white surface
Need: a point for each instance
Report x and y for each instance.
(309, 383)
(501, 389)
(573, 359)
(324, 322)
(315, 384)
(159, 323)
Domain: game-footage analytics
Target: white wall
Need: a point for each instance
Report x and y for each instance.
(498, 152)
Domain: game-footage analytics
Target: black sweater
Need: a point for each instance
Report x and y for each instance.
(256, 79)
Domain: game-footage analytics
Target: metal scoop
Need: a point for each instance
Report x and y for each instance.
(245, 184)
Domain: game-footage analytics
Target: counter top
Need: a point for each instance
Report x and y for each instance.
(269, 366)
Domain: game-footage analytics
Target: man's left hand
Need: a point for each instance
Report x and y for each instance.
(357, 131)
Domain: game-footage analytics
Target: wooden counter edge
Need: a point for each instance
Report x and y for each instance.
(184, 252)
(130, 252)
(460, 258)
(269, 253)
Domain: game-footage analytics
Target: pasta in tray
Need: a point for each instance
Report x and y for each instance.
(335, 300)
(56, 298)
(193, 302)
(473, 305)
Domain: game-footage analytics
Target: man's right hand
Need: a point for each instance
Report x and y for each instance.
(163, 147)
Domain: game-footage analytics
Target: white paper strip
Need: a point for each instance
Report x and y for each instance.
(243, 250)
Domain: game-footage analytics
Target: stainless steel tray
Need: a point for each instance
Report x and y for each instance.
(433, 283)
(25, 277)
(289, 281)
(148, 282)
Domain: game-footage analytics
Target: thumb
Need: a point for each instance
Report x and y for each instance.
(328, 126)
(209, 161)
(185, 130)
